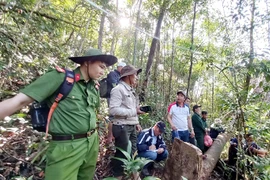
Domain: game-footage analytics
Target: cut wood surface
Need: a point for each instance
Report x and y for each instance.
(185, 160)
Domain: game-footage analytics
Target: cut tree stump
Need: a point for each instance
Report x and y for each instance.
(185, 160)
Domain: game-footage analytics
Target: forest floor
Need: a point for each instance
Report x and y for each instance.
(22, 153)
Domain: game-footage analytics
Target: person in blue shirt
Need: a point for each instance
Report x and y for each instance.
(233, 149)
(150, 145)
(252, 148)
(113, 78)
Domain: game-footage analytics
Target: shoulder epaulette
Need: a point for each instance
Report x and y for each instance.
(60, 69)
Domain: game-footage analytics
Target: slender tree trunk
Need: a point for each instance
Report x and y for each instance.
(153, 46)
(142, 54)
(164, 69)
(113, 44)
(155, 77)
(213, 93)
(166, 90)
(100, 32)
(192, 45)
(172, 62)
(84, 35)
(251, 53)
(136, 32)
(114, 40)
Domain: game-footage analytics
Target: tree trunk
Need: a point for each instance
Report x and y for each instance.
(153, 46)
(114, 43)
(185, 160)
(155, 77)
(79, 52)
(143, 50)
(251, 54)
(192, 46)
(172, 62)
(136, 32)
(100, 31)
(167, 84)
(213, 154)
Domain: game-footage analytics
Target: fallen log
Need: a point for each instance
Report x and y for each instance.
(186, 160)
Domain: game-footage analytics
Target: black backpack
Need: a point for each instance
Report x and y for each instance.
(103, 88)
(40, 112)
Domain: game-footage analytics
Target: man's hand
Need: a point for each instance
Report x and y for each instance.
(160, 150)
(138, 128)
(139, 111)
(173, 127)
(152, 147)
(192, 134)
(109, 139)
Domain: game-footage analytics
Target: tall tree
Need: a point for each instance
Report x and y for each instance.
(100, 31)
(251, 52)
(154, 43)
(192, 46)
(136, 32)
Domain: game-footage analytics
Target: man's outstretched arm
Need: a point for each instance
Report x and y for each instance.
(9, 106)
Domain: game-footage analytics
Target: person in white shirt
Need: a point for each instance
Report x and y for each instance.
(179, 119)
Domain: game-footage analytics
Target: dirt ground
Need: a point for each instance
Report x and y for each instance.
(22, 153)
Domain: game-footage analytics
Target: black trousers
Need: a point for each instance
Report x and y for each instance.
(123, 134)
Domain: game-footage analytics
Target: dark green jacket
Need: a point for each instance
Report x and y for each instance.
(198, 125)
(204, 123)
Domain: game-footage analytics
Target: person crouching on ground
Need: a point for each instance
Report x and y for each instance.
(252, 148)
(150, 145)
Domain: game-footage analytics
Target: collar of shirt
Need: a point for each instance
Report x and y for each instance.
(197, 114)
(77, 71)
(179, 105)
(128, 87)
(152, 132)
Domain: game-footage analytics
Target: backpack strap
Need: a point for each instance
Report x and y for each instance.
(62, 92)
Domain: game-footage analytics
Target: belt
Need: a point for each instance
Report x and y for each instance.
(72, 136)
(120, 124)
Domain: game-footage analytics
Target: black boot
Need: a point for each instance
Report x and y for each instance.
(145, 172)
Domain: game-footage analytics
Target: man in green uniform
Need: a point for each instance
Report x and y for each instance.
(204, 119)
(73, 151)
(199, 127)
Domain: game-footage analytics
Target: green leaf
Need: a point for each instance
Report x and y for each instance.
(121, 159)
(151, 178)
(127, 155)
(30, 178)
(110, 178)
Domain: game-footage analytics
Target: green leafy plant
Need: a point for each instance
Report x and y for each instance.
(132, 165)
